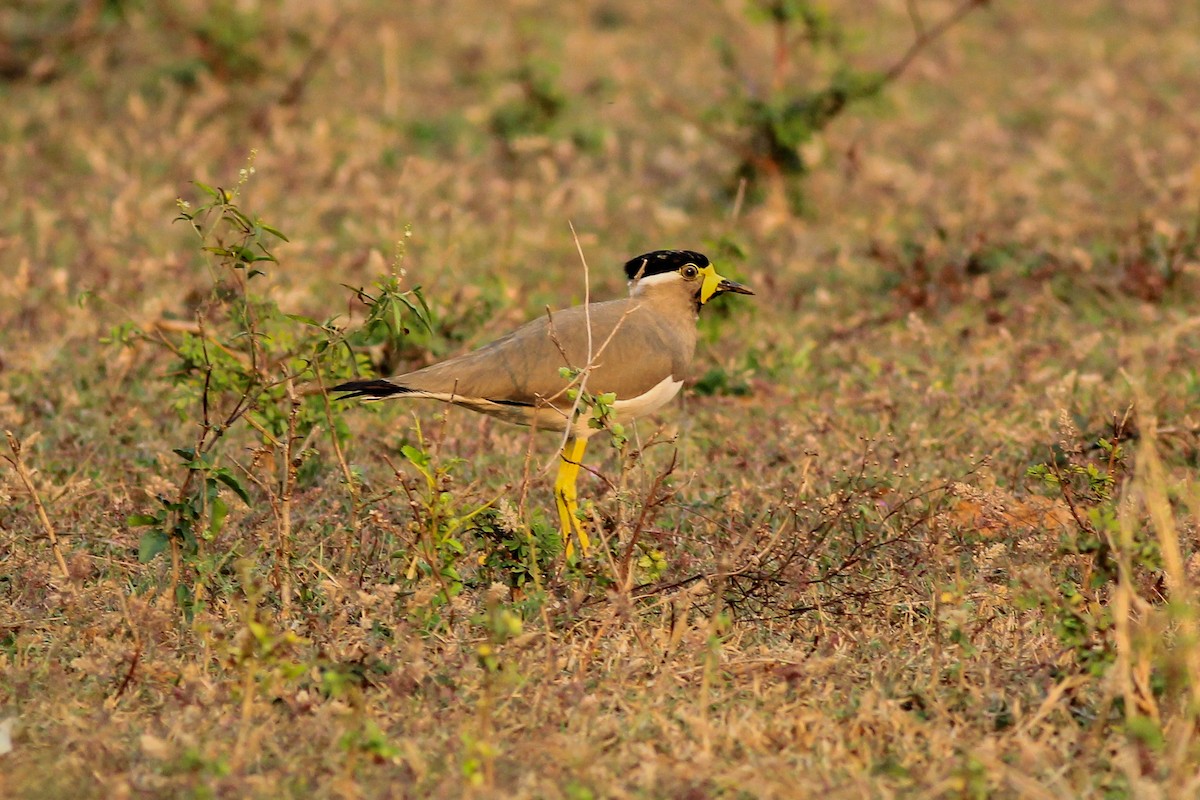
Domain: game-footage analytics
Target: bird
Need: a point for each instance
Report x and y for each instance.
(633, 352)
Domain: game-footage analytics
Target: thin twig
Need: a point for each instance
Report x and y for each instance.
(134, 659)
(587, 323)
(593, 356)
(924, 37)
(296, 86)
(927, 36)
(624, 573)
(914, 16)
(580, 380)
(18, 464)
(286, 483)
(352, 487)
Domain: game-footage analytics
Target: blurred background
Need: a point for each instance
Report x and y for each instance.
(488, 128)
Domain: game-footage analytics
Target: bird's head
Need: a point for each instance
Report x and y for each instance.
(689, 270)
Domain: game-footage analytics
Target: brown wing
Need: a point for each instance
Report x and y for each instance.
(523, 367)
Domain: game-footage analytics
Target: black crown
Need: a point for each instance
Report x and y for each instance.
(661, 261)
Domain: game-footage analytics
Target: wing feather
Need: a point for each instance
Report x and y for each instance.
(524, 366)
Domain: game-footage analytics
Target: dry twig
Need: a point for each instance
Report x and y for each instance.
(18, 464)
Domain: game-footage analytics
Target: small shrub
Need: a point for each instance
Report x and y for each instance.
(766, 120)
(242, 365)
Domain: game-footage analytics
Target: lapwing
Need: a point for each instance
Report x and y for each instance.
(634, 351)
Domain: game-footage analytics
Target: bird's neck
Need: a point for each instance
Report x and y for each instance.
(666, 299)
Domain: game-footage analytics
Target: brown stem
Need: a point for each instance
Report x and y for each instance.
(652, 501)
(927, 36)
(134, 658)
(287, 482)
(782, 53)
(347, 475)
(18, 464)
(1069, 498)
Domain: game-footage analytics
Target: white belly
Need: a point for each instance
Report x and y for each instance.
(662, 393)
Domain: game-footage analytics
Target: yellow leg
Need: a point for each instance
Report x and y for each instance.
(566, 497)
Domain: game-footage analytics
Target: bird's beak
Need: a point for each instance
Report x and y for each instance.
(727, 285)
(715, 284)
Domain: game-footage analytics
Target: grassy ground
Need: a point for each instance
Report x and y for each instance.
(923, 524)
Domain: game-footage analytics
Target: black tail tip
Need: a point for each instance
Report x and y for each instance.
(373, 389)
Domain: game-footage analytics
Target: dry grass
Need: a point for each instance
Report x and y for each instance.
(864, 594)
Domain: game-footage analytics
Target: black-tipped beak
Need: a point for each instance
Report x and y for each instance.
(727, 285)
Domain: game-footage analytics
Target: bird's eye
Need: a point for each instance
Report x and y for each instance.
(690, 271)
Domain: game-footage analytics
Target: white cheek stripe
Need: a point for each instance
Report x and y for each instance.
(654, 280)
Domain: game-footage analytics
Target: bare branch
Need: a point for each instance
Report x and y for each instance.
(914, 15)
(926, 37)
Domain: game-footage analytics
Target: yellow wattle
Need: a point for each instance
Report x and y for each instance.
(711, 281)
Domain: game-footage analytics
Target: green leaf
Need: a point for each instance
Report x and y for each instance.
(235, 213)
(416, 292)
(273, 231)
(141, 520)
(1145, 730)
(417, 458)
(208, 190)
(152, 543)
(229, 479)
(185, 600)
(422, 318)
(217, 521)
(397, 322)
(304, 319)
(186, 533)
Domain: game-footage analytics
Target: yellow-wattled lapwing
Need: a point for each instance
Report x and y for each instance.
(637, 348)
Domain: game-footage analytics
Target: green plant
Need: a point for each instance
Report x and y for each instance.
(596, 408)
(1155, 261)
(766, 121)
(199, 510)
(261, 652)
(514, 553)
(436, 522)
(540, 107)
(720, 381)
(369, 740)
(239, 367)
(1080, 608)
(651, 563)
